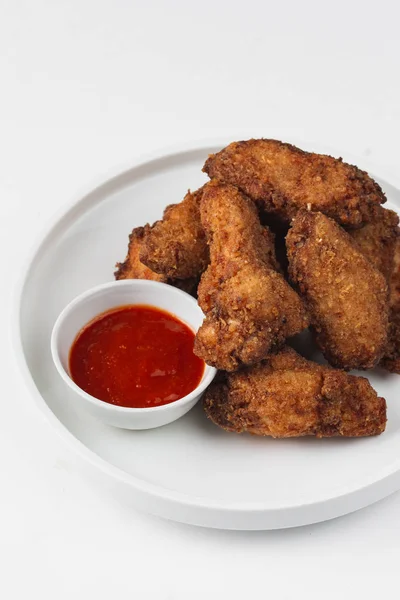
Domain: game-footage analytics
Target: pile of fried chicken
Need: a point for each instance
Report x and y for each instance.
(277, 241)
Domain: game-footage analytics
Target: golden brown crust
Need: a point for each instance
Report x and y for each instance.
(377, 240)
(285, 179)
(249, 307)
(176, 246)
(391, 359)
(133, 268)
(346, 295)
(394, 296)
(288, 396)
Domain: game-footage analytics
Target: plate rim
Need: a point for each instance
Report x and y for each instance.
(390, 479)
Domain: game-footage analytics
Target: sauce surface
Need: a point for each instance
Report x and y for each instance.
(135, 356)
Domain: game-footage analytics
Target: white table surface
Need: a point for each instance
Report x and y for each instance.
(86, 87)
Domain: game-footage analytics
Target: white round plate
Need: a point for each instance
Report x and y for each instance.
(189, 471)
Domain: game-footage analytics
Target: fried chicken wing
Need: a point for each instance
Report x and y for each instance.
(289, 396)
(284, 179)
(346, 295)
(133, 268)
(377, 240)
(250, 308)
(176, 246)
(391, 359)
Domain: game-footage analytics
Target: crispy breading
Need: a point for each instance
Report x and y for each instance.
(289, 396)
(377, 240)
(391, 359)
(345, 294)
(394, 296)
(176, 246)
(284, 179)
(133, 268)
(250, 308)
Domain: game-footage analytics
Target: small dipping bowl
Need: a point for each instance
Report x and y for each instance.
(102, 298)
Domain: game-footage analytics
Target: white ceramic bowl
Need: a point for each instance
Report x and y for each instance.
(111, 295)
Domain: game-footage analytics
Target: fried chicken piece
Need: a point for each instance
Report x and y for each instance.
(345, 294)
(391, 359)
(377, 240)
(284, 179)
(133, 268)
(176, 246)
(289, 396)
(250, 308)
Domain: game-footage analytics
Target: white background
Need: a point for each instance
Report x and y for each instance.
(86, 86)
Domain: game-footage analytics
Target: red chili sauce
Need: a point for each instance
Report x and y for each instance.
(135, 356)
